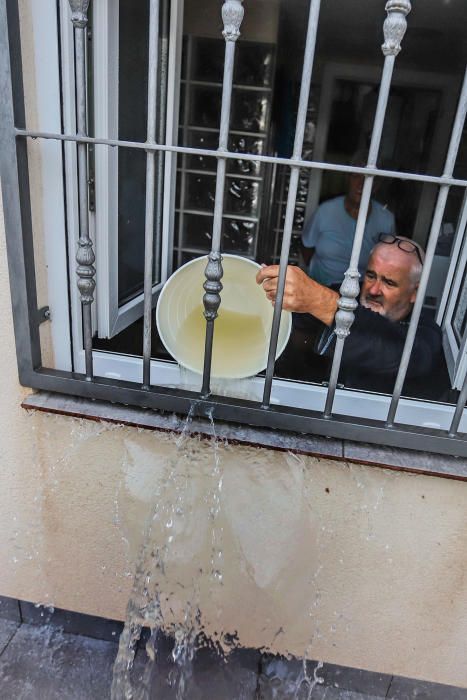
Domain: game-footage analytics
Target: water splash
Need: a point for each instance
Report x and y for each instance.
(214, 505)
(245, 388)
(289, 679)
(154, 588)
(166, 600)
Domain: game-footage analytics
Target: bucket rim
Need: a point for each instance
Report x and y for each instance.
(286, 315)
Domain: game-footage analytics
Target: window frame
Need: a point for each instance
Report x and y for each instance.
(32, 372)
(54, 206)
(111, 316)
(455, 348)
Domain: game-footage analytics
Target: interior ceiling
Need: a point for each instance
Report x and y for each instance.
(435, 38)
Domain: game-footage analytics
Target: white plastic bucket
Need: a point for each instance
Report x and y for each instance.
(241, 331)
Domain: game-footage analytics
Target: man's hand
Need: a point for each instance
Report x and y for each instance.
(299, 288)
(301, 293)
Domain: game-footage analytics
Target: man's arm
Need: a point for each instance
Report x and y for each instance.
(301, 293)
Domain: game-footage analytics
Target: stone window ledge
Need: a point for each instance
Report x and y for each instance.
(314, 445)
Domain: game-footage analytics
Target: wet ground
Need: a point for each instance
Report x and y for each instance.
(41, 661)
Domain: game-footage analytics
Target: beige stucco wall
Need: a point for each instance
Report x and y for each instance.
(366, 566)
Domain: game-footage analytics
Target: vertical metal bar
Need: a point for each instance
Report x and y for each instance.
(150, 179)
(232, 15)
(15, 196)
(161, 135)
(456, 419)
(85, 254)
(292, 194)
(184, 157)
(272, 222)
(454, 143)
(394, 29)
(172, 131)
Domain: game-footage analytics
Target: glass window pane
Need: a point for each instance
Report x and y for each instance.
(459, 320)
(249, 109)
(255, 67)
(238, 236)
(132, 126)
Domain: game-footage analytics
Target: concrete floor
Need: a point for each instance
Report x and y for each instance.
(42, 662)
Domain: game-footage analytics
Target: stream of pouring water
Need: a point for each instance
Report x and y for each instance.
(156, 588)
(151, 585)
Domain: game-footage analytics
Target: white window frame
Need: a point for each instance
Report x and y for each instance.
(455, 351)
(370, 405)
(47, 116)
(111, 317)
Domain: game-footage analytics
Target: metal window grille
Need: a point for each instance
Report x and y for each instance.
(16, 204)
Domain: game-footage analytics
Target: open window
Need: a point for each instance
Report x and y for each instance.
(119, 99)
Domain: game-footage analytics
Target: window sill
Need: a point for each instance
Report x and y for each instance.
(342, 450)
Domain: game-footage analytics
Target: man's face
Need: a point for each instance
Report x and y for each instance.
(388, 287)
(355, 188)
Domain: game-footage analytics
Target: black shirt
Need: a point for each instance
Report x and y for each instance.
(373, 350)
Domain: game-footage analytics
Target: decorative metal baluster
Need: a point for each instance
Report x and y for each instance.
(150, 180)
(232, 16)
(292, 194)
(454, 143)
(394, 28)
(85, 254)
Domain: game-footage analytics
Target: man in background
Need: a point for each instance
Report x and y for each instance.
(327, 240)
